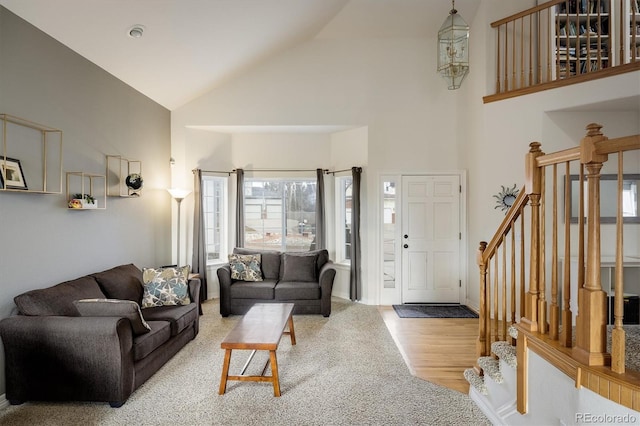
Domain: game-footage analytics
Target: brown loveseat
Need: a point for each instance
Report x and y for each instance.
(305, 279)
(59, 349)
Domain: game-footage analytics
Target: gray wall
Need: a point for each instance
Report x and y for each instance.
(42, 243)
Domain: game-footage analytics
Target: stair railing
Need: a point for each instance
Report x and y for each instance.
(514, 264)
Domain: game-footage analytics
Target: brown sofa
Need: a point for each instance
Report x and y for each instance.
(305, 279)
(56, 350)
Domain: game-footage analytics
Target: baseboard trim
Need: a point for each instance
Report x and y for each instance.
(4, 402)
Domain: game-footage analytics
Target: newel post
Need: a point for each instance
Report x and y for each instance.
(533, 186)
(591, 324)
(483, 345)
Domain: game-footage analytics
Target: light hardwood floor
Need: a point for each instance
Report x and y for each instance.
(435, 349)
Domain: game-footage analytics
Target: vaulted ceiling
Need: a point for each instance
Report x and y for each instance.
(189, 47)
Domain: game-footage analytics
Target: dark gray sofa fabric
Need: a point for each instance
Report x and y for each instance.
(305, 279)
(58, 300)
(89, 358)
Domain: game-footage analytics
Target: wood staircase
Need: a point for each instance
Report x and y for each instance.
(531, 306)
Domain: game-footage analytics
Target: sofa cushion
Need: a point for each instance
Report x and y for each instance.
(58, 300)
(123, 282)
(179, 317)
(269, 262)
(114, 308)
(165, 286)
(252, 290)
(245, 267)
(299, 267)
(297, 290)
(146, 343)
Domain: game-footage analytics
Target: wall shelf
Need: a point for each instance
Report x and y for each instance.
(86, 183)
(33, 150)
(118, 169)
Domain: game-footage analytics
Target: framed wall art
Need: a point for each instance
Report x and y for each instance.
(11, 174)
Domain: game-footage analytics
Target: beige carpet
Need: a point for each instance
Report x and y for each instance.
(344, 370)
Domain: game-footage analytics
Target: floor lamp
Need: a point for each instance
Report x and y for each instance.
(178, 195)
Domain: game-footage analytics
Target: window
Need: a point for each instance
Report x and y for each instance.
(389, 231)
(214, 206)
(343, 220)
(280, 214)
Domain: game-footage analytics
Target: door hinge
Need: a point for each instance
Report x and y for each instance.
(460, 187)
(460, 283)
(460, 235)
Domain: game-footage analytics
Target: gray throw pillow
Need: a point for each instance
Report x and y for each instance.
(299, 267)
(114, 308)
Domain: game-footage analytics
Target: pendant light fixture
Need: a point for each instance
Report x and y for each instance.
(453, 49)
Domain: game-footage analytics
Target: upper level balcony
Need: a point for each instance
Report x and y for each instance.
(564, 42)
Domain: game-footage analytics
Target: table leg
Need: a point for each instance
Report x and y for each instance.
(274, 373)
(225, 372)
(292, 332)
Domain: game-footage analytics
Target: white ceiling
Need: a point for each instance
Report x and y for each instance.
(191, 46)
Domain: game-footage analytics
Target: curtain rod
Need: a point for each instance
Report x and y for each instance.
(326, 171)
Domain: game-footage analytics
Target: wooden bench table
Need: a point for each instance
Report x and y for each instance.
(260, 329)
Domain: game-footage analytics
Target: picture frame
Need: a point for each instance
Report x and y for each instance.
(11, 174)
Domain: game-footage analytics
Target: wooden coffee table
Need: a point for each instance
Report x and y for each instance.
(260, 329)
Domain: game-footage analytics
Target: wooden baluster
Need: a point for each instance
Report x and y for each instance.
(506, 57)
(514, 78)
(566, 335)
(522, 65)
(482, 330)
(522, 263)
(618, 334)
(496, 310)
(554, 314)
(542, 274)
(487, 319)
(531, 81)
(513, 277)
(591, 338)
(504, 289)
(498, 88)
(532, 186)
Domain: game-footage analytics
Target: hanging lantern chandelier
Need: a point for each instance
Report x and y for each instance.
(453, 49)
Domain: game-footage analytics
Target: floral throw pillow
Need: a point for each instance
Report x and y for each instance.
(245, 267)
(165, 286)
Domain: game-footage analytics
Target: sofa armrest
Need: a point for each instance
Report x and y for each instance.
(224, 278)
(326, 277)
(68, 358)
(194, 293)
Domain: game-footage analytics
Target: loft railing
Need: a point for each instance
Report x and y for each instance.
(563, 42)
(542, 273)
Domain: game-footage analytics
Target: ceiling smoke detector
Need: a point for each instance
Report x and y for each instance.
(136, 31)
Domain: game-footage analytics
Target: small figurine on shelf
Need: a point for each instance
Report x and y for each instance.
(82, 201)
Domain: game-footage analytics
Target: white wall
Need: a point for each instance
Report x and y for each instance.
(42, 242)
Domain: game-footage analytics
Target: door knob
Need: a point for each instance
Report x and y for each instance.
(406, 246)
(406, 236)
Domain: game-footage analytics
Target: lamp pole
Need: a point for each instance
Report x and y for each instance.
(178, 195)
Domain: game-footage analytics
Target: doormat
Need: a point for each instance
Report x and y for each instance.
(434, 311)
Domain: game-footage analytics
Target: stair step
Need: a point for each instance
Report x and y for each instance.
(476, 381)
(506, 352)
(513, 331)
(491, 367)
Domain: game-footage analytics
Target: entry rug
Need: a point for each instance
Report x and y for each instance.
(434, 311)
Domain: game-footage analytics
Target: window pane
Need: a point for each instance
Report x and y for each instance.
(389, 234)
(280, 214)
(346, 205)
(213, 205)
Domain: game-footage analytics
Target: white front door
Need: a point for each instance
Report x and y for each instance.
(431, 239)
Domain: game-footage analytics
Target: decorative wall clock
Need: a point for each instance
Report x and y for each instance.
(506, 197)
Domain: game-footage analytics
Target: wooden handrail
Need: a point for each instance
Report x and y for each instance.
(527, 12)
(542, 314)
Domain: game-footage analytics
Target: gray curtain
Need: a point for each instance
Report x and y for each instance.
(320, 221)
(240, 208)
(199, 258)
(355, 281)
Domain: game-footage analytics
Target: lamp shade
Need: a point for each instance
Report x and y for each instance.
(179, 193)
(453, 50)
